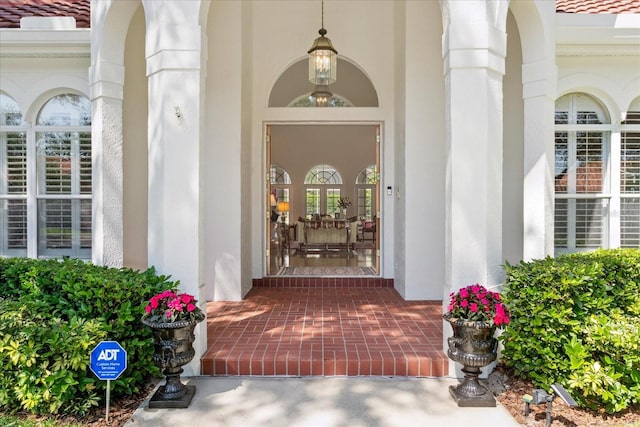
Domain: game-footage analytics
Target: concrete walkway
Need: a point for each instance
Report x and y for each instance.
(321, 402)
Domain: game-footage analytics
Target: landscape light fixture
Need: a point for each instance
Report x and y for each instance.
(322, 58)
(541, 396)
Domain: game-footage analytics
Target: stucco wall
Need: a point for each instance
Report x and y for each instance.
(135, 153)
(613, 79)
(423, 160)
(513, 146)
(227, 257)
(32, 81)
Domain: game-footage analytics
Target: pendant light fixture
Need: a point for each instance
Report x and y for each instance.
(321, 96)
(322, 58)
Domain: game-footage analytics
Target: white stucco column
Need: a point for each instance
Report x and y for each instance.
(474, 49)
(173, 43)
(106, 83)
(538, 80)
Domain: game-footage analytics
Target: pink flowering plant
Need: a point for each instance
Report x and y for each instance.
(169, 306)
(476, 303)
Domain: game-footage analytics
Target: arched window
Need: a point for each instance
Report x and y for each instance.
(10, 114)
(366, 190)
(55, 217)
(279, 176)
(280, 182)
(323, 174)
(63, 151)
(309, 101)
(13, 185)
(323, 185)
(596, 203)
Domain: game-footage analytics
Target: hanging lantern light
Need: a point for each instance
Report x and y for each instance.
(322, 58)
(321, 96)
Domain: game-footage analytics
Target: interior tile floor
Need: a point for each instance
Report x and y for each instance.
(324, 331)
(360, 257)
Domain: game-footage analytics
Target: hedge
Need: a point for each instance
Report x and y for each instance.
(53, 313)
(576, 321)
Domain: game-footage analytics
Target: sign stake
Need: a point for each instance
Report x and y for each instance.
(108, 398)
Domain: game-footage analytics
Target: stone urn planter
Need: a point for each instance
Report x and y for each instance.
(473, 345)
(172, 318)
(173, 348)
(474, 314)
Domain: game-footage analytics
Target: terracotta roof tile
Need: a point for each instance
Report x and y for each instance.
(598, 6)
(12, 10)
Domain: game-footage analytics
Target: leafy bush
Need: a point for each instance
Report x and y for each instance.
(53, 313)
(575, 321)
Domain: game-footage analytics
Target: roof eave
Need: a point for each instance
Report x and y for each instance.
(21, 43)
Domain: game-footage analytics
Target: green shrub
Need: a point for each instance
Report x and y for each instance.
(575, 322)
(53, 313)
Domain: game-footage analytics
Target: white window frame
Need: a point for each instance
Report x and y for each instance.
(323, 180)
(631, 129)
(366, 193)
(5, 129)
(33, 196)
(611, 193)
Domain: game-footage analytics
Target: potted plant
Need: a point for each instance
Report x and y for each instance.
(343, 204)
(172, 317)
(474, 313)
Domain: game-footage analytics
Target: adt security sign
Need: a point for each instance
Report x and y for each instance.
(108, 360)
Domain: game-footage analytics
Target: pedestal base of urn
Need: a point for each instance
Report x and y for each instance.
(160, 401)
(485, 400)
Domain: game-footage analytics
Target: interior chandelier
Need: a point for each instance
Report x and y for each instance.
(322, 58)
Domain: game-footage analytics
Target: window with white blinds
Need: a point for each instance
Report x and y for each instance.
(45, 193)
(630, 179)
(13, 185)
(591, 210)
(582, 142)
(15, 155)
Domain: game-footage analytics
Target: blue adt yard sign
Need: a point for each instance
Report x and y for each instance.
(108, 360)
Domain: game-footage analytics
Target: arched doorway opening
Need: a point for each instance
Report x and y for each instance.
(323, 213)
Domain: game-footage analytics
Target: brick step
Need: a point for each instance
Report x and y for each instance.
(324, 331)
(324, 363)
(322, 282)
